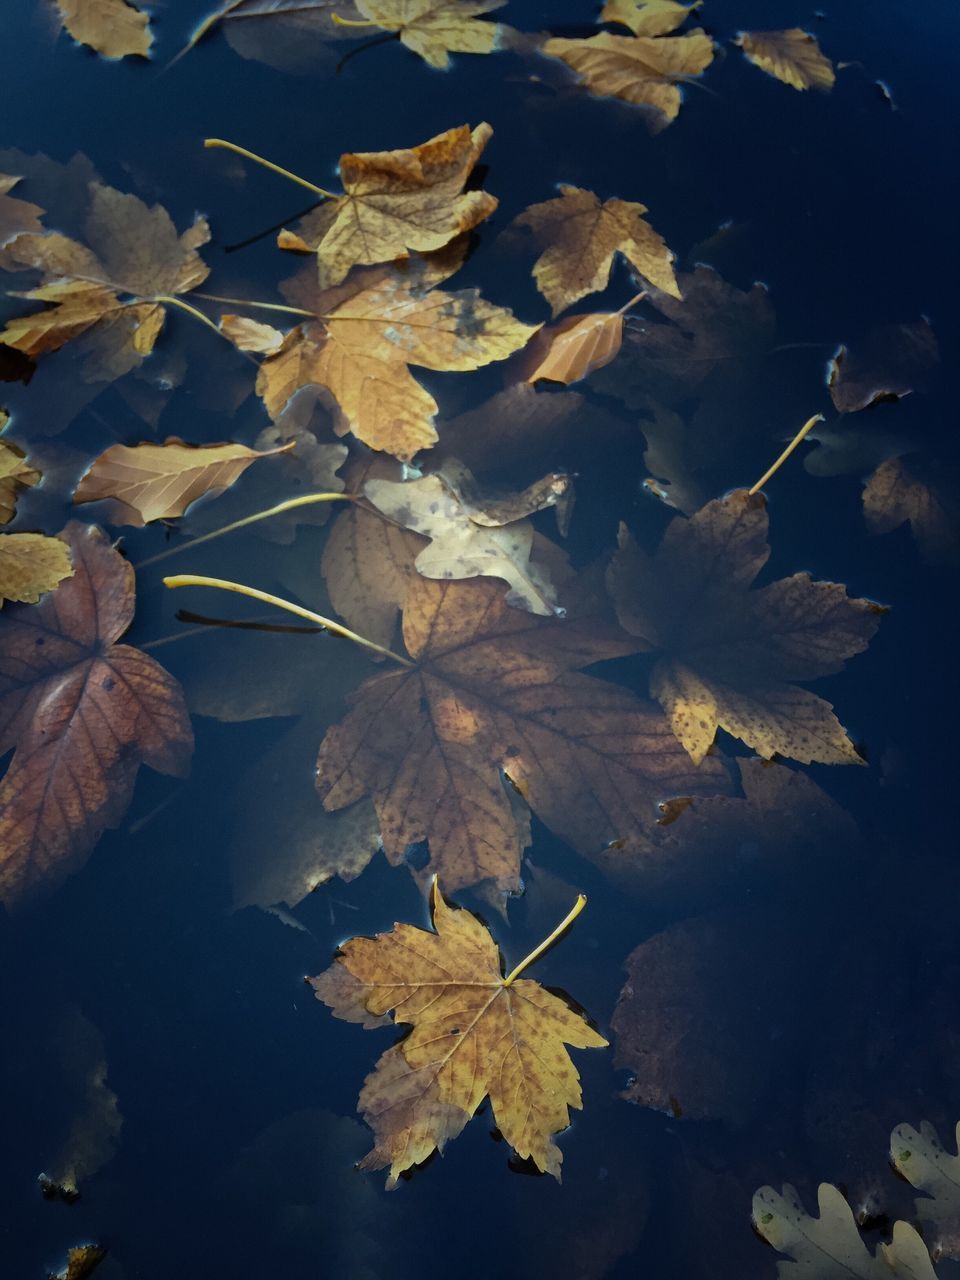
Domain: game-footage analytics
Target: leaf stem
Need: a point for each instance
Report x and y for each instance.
(223, 584)
(304, 500)
(637, 297)
(268, 164)
(352, 22)
(801, 434)
(169, 300)
(248, 302)
(567, 920)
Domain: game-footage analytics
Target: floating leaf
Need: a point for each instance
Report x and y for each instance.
(113, 28)
(495, 689)
(31, 564)
(637, 69)
(729, 653)
(572, 348)
(583, 235)
(396, 202)
(887, 364)
(83, 713)
(16, 474)
(82, 1261)
(898, 492)
(792, 56)
(145, 482)
(17, 217)
(918, 1156)
(476, 1034)
(436, 28)
(648, 17)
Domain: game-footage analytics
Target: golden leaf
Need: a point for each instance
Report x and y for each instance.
(115, 291)
(898, 492)
(582, 235)
(728, 654)
(82, 1261)
(113, 28)
(575, 346)
(15, 474)
(469, 539)
(17, 217)
(476, 1034)
(648, 17)
(147, 482)
(792, 56)
(637, 69)
(495, 689)
(396, 202)
(31, 564)
(436, 28)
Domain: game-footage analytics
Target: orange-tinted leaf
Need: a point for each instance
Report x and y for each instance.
(83, 713)
(573, 347)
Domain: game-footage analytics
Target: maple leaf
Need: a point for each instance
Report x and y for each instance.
(17, 217)
(436, 28)
(114, 292)
(16, 474)
(366, 333)
(494, 689)
(726, 653)
(31, 564)
(113, 28)
(469, 536)
(583, 235)
(920, 1158)
(476, 1034)
(832, 1239)
(145, 482)
(368, 565)
(898, 492)
(395, 202)
(889, 363)
(83, 713)
(792, 56)
(648, 17)
(637, 69)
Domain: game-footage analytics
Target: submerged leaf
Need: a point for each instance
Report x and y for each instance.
(473, 1037)
(31, 564)
(919, 1156)
(898, 492)
(792, 56)
(436, 28)
(17, 217)
(113, 28)
(887, 364)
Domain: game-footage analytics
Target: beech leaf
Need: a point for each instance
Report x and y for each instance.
(792, 56)
(31, 564)
(476, 1034)
(572, 348)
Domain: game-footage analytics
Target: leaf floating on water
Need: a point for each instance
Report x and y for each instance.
(147, 482)
(396, 202)
(648, 17)
(476, 1034)
(899, 492)
(17, 217)
(887, 364)
(572, 348)
(436, 28)
(637, 69)
(583, 235)
(83, 713)
(16, 474)
(920, 1158)
(729, 654)
(113, 28)
(31, 564)
(792, 56)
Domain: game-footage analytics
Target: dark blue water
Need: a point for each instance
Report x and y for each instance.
(828, 1011)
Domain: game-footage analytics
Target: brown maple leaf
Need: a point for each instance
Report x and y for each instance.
(493, 689)
(395, 203)
(792, 56)
(114, 28)
(637, 69)
(476, 1034)
(367, 332)
(582, 235)
(83, 713)
(113, 291)
(727, 656)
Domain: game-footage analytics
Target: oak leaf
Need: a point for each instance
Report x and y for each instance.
(648, 17)
(919, 1157)
(887, 364)
(396, 202)
(436, 28)
(83, 713)
(469, 535)
(475, 1034)
(145, 482)
(31, 564)
(637, 69)
(898, 492)
(494, 689)
(792, 56)
(16, 474)
(583, 235)
(727, 655)
(112, 291)
(113, 28)
(17, 217)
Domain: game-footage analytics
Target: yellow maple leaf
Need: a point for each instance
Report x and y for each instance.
(435, 28)
(476, 1034)
(582, 235)
(792, 56)
(113, 28)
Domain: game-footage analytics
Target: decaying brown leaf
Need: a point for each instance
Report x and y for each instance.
(899, 491)
(436, 28)
(729, 653)
(83, 713)
(112, 295)
(82, 1261)
(114, 28)
(582, 235)
(648, 17)
(496, 689)
(476, 1034)
(469, 535)
(366, 334)
(792, 56)
(145, 482)
(396, 202)
(16, 474)
(17, 217)
(31, 564)
(887, 364)
(637, 69)
(572, 348)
